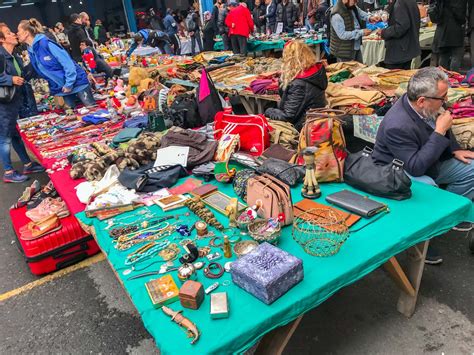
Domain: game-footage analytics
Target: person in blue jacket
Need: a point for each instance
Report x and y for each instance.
(51, 62)
(270, 15)
(152, 38)
(171, 29)
(22, 104)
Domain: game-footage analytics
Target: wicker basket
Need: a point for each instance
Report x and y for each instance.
(255, 231)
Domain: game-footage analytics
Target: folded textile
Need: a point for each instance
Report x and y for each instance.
(264, 86)
(469, 78)
(96, 118)
(463, 130)
(362, 80)
(139, 121)
(467, 111)
(149, 179)
(351, 66)
(395, 77)
(340, 76)
(200, 149)
(339, 95)
(371, 71)
(125, 135)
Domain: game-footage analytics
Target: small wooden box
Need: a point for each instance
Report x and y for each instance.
(191, 294)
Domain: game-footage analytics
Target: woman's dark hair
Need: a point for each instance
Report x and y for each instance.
(2, 35)
(32, 26)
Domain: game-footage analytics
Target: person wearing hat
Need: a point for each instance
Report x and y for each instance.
(240, 23)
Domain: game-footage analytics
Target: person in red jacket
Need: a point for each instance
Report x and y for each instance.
(240, 24)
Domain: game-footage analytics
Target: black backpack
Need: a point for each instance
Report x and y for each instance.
(184, 112)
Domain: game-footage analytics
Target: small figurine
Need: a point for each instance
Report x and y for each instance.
(231, 210)
(310, 188)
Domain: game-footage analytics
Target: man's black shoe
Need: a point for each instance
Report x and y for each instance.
(463, 227)
(432, 257)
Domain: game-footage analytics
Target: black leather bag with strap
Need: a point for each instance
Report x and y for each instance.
(390, 181)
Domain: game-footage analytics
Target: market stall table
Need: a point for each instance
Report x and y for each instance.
(253, 103)
(409, 225)
(373, 51)
(254, 45)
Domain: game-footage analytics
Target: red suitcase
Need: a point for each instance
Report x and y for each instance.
(56, 250)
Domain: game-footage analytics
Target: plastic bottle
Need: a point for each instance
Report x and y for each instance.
(227, 106)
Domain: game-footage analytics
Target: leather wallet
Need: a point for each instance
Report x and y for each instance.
(203, 190)
(358, 204)
(306, 209)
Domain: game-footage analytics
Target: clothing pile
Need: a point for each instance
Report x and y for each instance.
(339, 96)
(463, 122)
(264, 86)
(93, 164)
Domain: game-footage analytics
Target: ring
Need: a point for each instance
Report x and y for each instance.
(213, 266)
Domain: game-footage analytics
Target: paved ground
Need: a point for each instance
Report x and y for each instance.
(87, 311)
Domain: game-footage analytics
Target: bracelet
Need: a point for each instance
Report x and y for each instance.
(212, 242)
(213, 266)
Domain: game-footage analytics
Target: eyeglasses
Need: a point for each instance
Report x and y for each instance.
(437, 98)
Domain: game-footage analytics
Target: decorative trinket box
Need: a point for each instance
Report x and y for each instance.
(219, 305)
(267, 272)
(162, 291)
(191, 294)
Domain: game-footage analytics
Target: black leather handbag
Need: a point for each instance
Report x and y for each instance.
(7, 93)
(390, 181)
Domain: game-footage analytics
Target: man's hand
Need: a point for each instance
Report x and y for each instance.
(261, 17)
(367, 32)
(464, 156)
(444, 122)
(66, 90)
(18, 80)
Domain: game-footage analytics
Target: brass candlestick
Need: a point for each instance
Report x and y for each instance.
(310, 188)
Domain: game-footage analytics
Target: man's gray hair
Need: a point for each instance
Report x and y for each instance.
(425, 83)
(83, 15)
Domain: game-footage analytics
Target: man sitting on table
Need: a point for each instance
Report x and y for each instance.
(416, 130)
(346, 31)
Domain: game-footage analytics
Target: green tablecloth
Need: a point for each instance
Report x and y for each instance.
(259, 46)
(430, 212)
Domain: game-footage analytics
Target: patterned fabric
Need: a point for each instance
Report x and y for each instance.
(324, 131)
(240, 182)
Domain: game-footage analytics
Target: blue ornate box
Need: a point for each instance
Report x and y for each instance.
(267, 272)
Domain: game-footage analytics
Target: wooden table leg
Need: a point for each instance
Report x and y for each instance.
(275, 342)
(416, 263)
(248, 105)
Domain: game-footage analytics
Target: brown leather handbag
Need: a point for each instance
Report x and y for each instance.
(272, 197)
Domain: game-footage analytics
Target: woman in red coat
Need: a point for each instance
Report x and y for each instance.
(240, 23)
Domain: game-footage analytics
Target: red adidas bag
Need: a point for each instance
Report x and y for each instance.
(252, 129)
